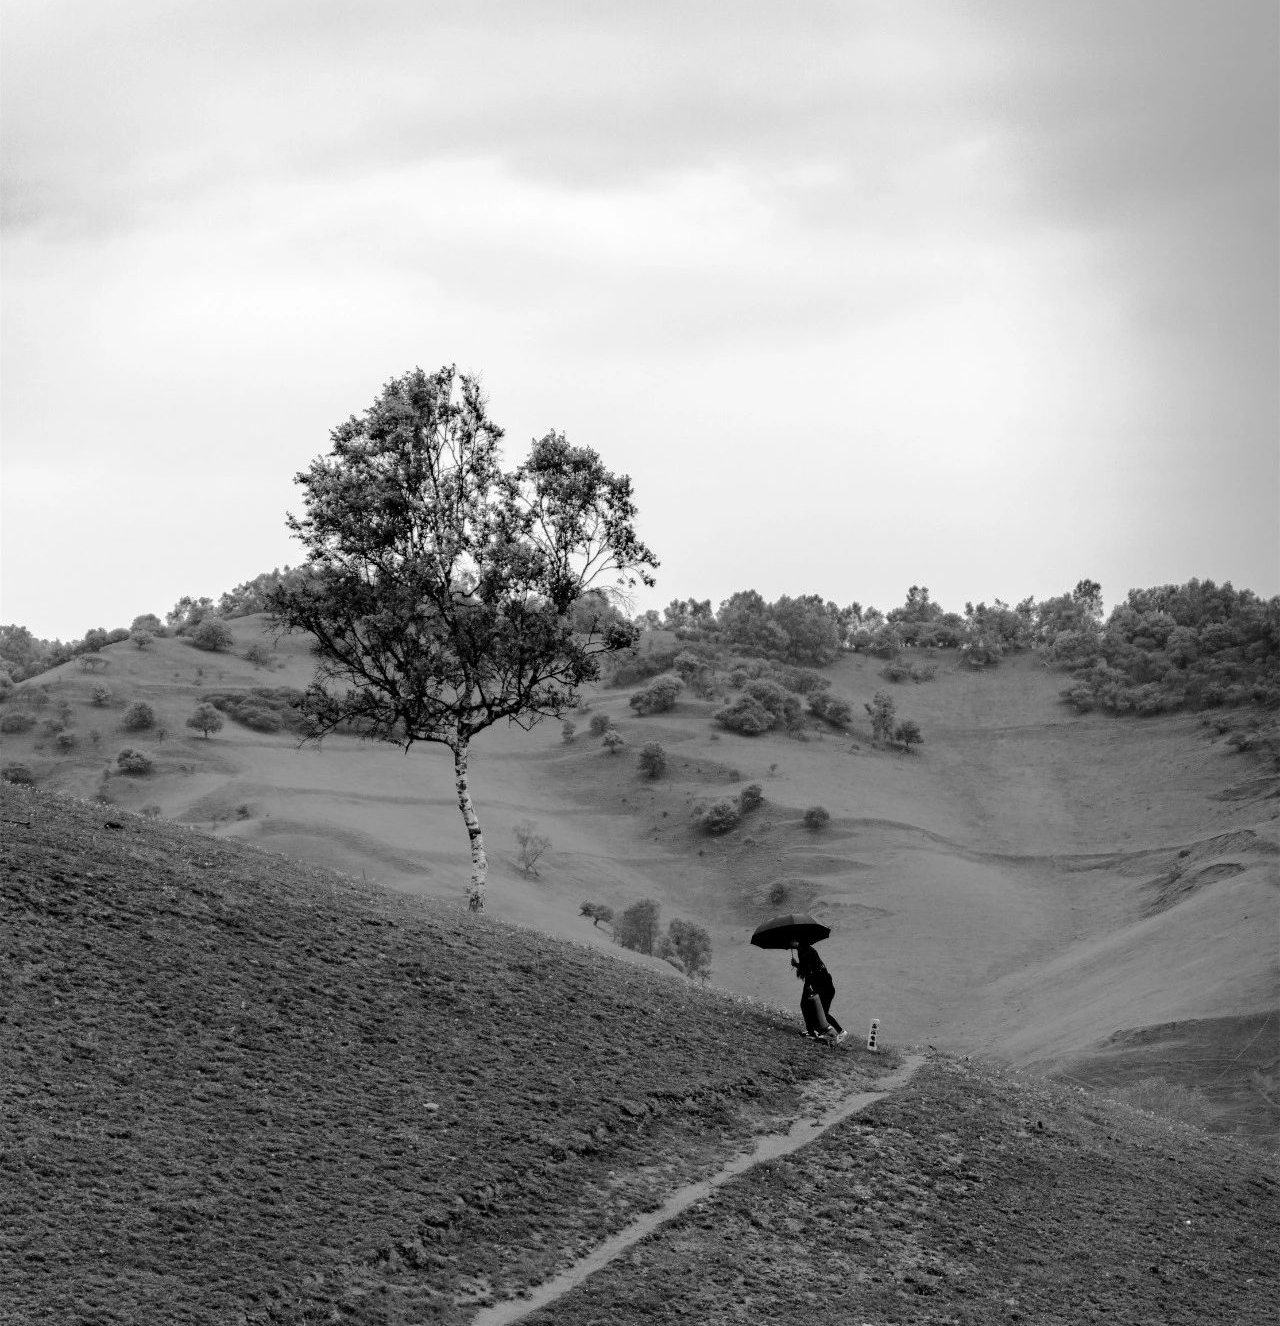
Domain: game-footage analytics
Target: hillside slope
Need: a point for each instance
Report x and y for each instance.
(1031, 883)
(239, 1088)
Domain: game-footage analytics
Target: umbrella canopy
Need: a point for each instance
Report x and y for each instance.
(794, 928)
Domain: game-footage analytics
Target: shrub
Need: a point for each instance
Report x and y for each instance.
(530, 846)
(658, 696)
(746, 715)
(923, 671)
(907, 733)
(94, 735)
(18, 773)
(264, 708)
(719, 817)
(261, 720)
(138, 717)
(6, 686)
(653, 760)
(212, 635)
(781, 703)
(100, 696)
(148, 622)
(66, 742)
(134, 762)
(568, 730)
(143, 639)
(831, 708)
(599, 724)
(896, 670)
(688, 947)
(882, 711)
(205, 718)
(637, 927)
(613, 741)
(16, 722)
(817, 817)
(750, 798)
(258, 654)
(597, 911)
(150, 812)
(51, 727)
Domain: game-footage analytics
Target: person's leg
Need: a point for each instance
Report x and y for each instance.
(827, 992)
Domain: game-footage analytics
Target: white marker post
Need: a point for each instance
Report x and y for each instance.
(872, 1035)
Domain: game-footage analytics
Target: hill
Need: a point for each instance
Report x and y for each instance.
(1092, 895)
(242, 1088)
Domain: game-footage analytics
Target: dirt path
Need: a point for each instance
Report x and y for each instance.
(769, 1147)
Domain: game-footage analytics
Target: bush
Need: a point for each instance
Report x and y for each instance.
(907, 734)
(653, 760)
(51, 727)
(264, 708)
(150, 812)
(205, 718)
(530, 846)
(817, 817)
(94, 735)
(613, 741)
(745, 715)
(780, 703)
(66, 742)
(149, 623)
(597, 911)
(719, 817)
(750, 798)
(896, 670)
(658, 697)
(831, 708)
(568, 730)
(637, 927)
(212, 635)
(16, 722)
(100, 696)
(134, 762)
(143, 639)
(138, 717)
(258, 654)
(688, 947)
(882, 711)
(599, 724)
(18, 773)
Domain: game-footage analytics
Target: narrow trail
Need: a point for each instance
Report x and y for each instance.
(769, 1147)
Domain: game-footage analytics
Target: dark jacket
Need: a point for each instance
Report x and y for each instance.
(808, 964)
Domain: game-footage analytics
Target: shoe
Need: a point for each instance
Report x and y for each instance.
(840, 1035)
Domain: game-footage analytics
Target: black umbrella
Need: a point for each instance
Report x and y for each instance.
(794, 928)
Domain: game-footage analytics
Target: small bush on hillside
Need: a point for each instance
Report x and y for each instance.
(688, 947)
(16, 721)
(597, 911)
(568, 730)
(100, 696)
(817, 817)
(143, 639)
(652, 760)
(599, 724)
(134, 762)
(212, 635)
(882, 710)
(896, 670)
(530, 846)
(264, 708)
(66, 742)
(750, 798)
(148, 622)
(781, 703)
(738, 678)
(719, 817)
(259, 655)
(802, 681)
(18, 773)
(637, 927)
(831, 708)
(40, 699)
(138, 717)
(745, 715)
(658, 696)
(205, 718)
(51, 727)
(613, 741)
(923, 671)
(907, 734)
(150, 812)
(94, 735)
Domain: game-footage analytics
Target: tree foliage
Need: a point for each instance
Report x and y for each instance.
(658, 697)
(531, 846)
(597, 911)
(882, 711)
(212, 635)
(652, 760)
(440, 588)
(688, 947)
(637, 927)
(138, 717)
(205, 718)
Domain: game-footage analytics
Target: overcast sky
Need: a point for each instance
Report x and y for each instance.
(979, 296)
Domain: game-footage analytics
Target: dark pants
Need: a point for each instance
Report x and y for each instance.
(825, 988)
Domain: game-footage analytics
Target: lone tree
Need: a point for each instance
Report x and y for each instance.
(441, 589)
(205, 719)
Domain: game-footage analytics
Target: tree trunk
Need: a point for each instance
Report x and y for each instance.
(479, 862)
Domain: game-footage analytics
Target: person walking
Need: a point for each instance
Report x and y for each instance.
(817, 980)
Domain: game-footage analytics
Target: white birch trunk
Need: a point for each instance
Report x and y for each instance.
(479, 862)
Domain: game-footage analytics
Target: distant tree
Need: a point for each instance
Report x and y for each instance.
(689, 945)
(143, 639)
(882, 711)
(530, 846)
(750, 798)
(568, 730)
(94, 640)
(613, 741)
(719, 816)
(834, 710)
(188, 613)
(658, 696)
(95, 736)
(817, 817)
(652, 760)
(138, 717)
(907, 734)
(597, 911)
(213, 635)
(147, 622)
(637, 927)
(599, 724)
(134, 762)
(66, 742)
(205, 718)
(439, 589)
(745, 714)
(258, 654)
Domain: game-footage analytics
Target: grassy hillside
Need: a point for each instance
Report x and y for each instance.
(1094, 895)
(240, 1088)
